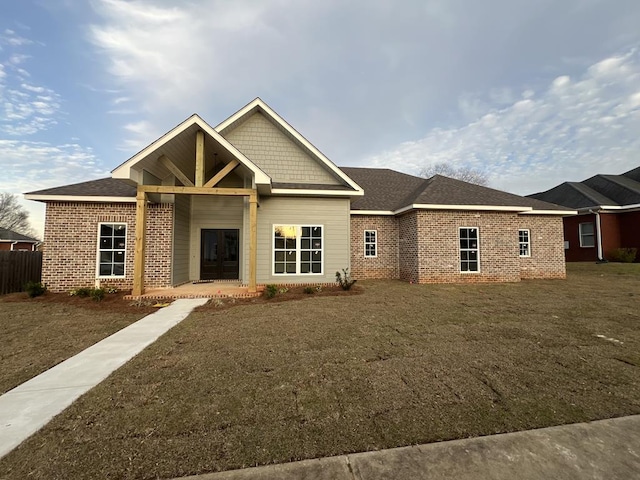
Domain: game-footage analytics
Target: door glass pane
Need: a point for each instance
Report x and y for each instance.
(210, 247)
(230, 247)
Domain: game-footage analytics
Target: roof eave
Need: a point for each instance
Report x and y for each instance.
(78, 198)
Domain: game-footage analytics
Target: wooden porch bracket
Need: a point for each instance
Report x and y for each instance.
(222, 173)
(173, 168)
(199, 158)
(139, 253)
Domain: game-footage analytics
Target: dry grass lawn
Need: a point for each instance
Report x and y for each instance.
(36, 334)
(397, 365)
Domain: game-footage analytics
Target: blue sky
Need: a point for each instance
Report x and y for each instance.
(535, 93)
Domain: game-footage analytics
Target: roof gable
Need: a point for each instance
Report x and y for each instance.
(262, 135)
(179, 146)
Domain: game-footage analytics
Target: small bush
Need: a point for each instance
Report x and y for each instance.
(270, 291)
(344, 279)
(111, 290)
(97, 294)
(34, 289)
(624, 255)
(283, 290)
(309, 290)
(81, 292)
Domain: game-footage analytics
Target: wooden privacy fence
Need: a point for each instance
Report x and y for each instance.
(18, 268)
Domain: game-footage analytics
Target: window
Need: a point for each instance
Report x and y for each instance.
(524, 242)
(112, 243)
(297, 249)
(586, 235)
(370, 243)
(469, 261)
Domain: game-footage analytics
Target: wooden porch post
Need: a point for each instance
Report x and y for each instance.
(253, 240)
(138, 259)
(199, 158)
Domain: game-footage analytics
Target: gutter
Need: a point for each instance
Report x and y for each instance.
(598, 235)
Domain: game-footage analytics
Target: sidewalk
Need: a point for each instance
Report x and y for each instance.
(606, 450)
(30, 406)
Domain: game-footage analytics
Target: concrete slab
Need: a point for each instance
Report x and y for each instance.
(30, 406)
(605, 449)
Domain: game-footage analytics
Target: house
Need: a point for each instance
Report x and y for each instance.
(252, 200)
(13, 241)
(607, 217)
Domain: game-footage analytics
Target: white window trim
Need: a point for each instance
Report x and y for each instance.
(126, 235)
(298, 250)
(460, 251)
(528, 242)
(592, 234)
(375, 243)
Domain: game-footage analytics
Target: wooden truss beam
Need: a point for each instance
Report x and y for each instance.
(222, 173)
(199, 158)
(173, 168)
(242, 192)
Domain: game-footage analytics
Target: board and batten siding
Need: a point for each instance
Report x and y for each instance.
(181, 239)
(212, 211)
(331, 213)
(266, 145)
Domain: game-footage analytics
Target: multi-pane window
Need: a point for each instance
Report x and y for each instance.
(524, 242)
(586, 235)
(469, 246)
(370, 243)
(112, 243)
(297, 249)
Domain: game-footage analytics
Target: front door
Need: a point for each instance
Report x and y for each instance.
(219, 258)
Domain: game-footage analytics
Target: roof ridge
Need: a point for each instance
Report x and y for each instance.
(588, 192)
(617, 180)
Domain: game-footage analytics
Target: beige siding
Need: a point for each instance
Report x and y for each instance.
(332, 214)
(211, 211)
(181, 236)
(276, 153)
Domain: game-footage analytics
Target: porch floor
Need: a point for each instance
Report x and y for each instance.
(199, 290)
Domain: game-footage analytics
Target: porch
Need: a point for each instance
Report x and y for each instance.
(215, 289)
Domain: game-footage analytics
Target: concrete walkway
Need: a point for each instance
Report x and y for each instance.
(30, 406)
(606, 449)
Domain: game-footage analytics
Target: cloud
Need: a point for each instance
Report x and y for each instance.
(570, 130)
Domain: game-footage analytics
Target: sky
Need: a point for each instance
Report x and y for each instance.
(533, 93)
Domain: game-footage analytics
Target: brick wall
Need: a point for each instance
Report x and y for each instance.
(385, 264)
(71, 237)
(547, 247)
(439, 247)
(408, 265)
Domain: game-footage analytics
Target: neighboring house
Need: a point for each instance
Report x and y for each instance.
(10, 240)
(608, 215)
(252, 200)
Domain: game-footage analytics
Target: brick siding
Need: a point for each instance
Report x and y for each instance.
(547, 247)
(71, 237)
(385, 264)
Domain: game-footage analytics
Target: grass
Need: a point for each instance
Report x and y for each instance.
(397, 365)
(38, 333)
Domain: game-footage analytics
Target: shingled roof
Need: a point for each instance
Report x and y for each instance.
(388, 190)
(103, 187)
(10, 235)
(597, 191)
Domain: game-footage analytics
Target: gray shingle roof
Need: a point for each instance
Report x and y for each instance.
(599, 190)
(104, 187)
(15, 236)
(390, 190)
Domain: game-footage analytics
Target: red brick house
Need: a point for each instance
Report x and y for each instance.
(252, 200)
(608, 215)
(13, 241)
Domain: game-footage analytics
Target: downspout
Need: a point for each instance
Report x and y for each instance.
(598, 235)
(12, 245)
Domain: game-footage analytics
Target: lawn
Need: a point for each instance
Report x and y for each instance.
(399, 364)
(36, 334)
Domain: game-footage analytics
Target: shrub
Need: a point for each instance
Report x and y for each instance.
(270, 291)
(97, 294)
(34, 289)
(624, 255)
(283, 290)
(81, 292)
(111, 290)
(344, 279)
(309, 290)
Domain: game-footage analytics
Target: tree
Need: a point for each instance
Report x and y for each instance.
(466, 174)
(13, 216)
